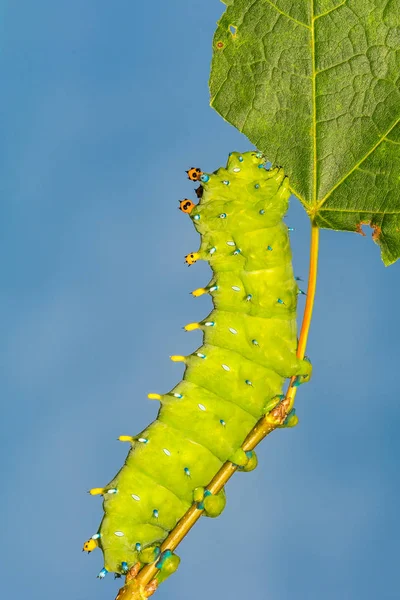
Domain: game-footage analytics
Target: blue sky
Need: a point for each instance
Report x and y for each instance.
(104, 105)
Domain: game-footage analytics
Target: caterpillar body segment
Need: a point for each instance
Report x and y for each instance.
(230, 381)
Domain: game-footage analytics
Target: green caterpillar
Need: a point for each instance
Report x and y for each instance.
(233, 379)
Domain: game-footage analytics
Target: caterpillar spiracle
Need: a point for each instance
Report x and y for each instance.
(234, 378)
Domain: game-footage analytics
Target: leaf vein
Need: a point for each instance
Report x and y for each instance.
(286, 15)
(364, 210)
(314, 106)
(321, 203)
(330, 10)
(391, 141)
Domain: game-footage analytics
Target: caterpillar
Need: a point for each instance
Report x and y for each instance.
(234, 378)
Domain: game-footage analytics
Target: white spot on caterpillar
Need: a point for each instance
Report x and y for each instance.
(230, 243)
(213, 249)
(209, 324)
(236, 288)
(143, 440)
(232, 330)
(166, 451)
(136, 497)
(177, 395)
(119, 533)
(236, 170)
(225, 367)
(201, 406)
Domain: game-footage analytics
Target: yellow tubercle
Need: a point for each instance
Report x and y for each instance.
(125, 438)
(191, 258)
(90, 545)
(199, 292)
(96, 491)
(191, 326)
(154, 396)
(177, 358)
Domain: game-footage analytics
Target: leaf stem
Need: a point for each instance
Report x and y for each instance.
(263, 428)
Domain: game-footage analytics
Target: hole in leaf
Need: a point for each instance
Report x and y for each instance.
(233, 30)
(362, 228)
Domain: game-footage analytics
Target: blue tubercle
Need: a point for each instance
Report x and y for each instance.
(102, 573)
(204, 178)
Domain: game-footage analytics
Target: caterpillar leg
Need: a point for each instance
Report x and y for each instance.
(303, 372)
(245, 461)
(149, 554)
(213, 505)
(167, 564)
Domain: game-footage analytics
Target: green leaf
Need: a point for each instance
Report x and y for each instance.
(315, 85)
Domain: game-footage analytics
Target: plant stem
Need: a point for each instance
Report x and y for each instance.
(263, 428)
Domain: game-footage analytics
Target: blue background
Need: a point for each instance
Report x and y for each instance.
(104, 105)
